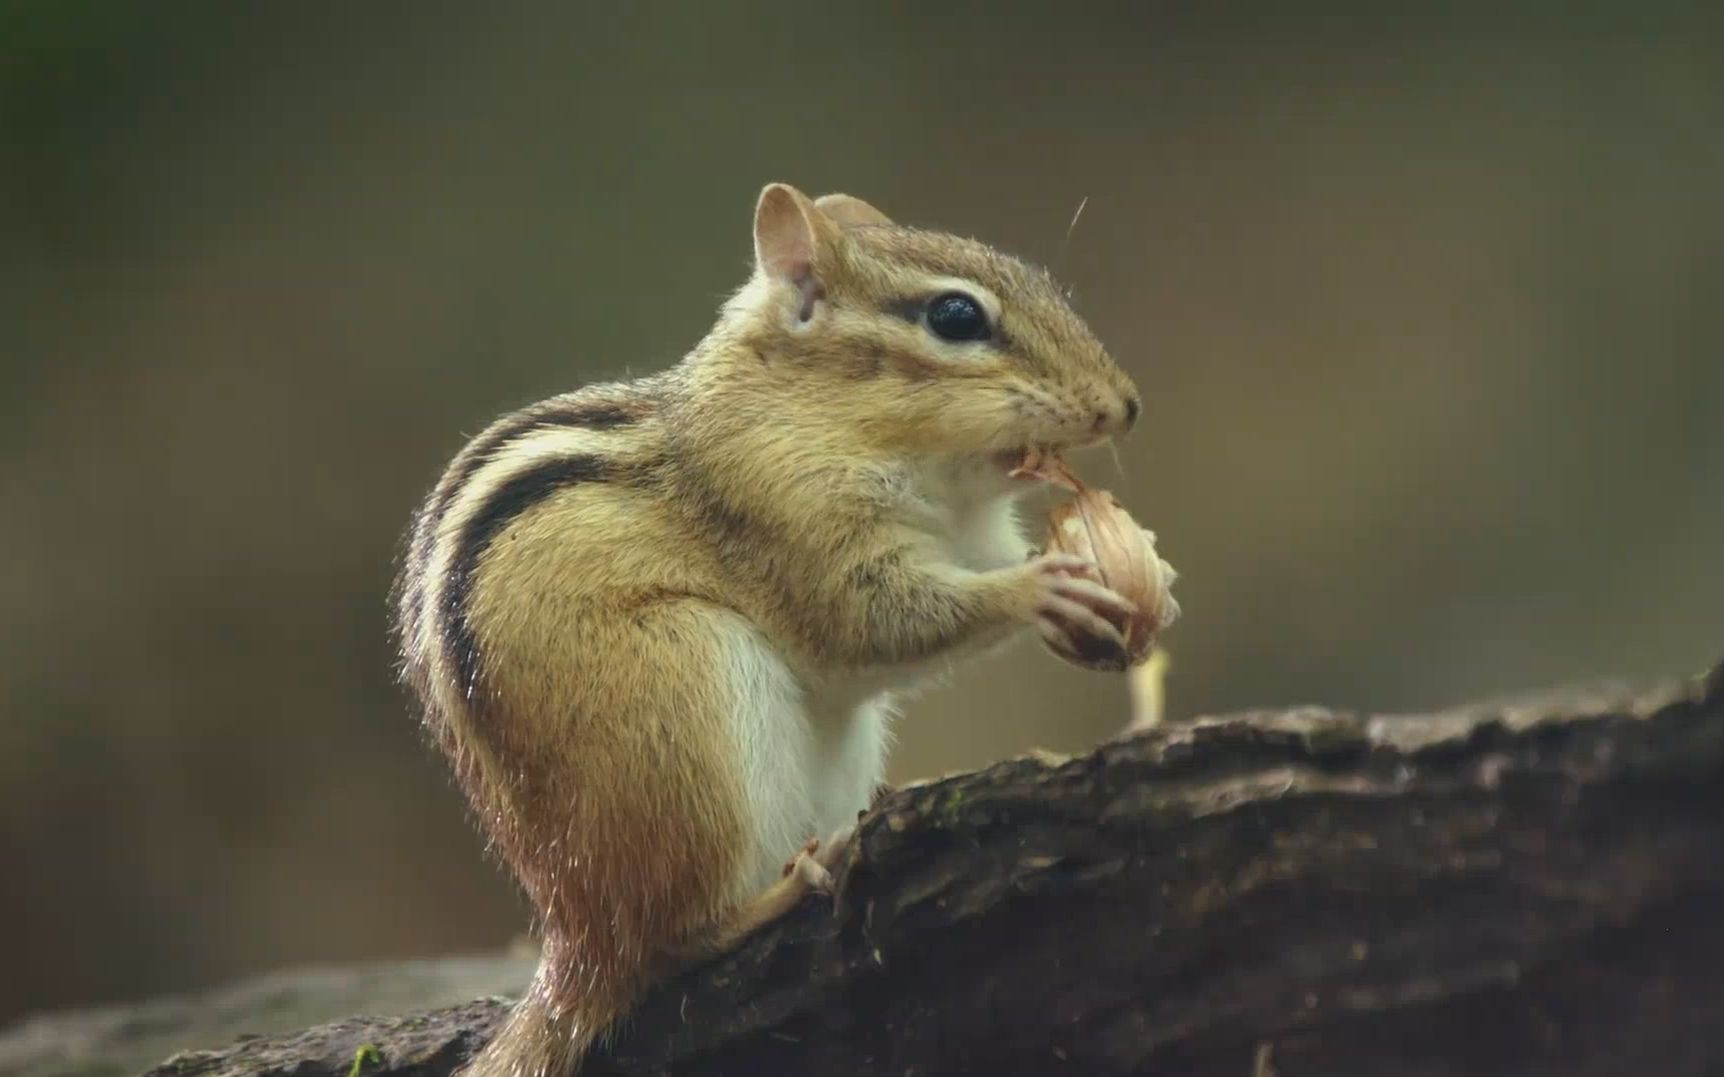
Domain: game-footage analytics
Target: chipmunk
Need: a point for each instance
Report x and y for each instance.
(659, 626)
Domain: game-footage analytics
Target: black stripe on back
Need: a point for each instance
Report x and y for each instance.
(505, 503)
(589, 414)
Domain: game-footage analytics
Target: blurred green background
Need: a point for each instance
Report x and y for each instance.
(1426, 311)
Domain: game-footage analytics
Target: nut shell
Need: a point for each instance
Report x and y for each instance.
(1096, 527)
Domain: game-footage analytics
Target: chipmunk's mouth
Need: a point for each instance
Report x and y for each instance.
(1037, 464)
(1011, 461)
(1021, 464)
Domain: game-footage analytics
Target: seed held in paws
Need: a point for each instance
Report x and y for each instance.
(1096, 527)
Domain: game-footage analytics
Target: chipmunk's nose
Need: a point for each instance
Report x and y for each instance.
(1119, 418)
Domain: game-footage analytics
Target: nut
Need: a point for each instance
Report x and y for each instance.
(1096, 527)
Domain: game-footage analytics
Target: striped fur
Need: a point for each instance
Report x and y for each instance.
(522, 490)
(598, 408)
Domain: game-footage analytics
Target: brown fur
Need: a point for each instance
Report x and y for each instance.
(577, 667)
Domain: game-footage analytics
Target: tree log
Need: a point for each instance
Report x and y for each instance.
(1533, 886)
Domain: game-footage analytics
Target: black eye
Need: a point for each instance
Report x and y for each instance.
(956, 316)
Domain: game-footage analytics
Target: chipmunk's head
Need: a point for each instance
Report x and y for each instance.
(920, 341)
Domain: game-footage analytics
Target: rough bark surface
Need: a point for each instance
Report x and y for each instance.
(1525, 887)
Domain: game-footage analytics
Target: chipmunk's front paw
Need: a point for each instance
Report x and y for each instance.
(1076, 614)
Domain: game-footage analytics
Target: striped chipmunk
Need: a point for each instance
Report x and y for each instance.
(659, 626)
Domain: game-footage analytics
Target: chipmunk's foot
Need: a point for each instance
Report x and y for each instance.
(808, 868)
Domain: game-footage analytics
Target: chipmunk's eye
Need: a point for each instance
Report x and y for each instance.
(956, 316)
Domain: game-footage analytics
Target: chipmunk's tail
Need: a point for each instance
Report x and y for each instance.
(548, 1032)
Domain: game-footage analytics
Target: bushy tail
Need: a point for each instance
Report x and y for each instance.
(544, 1035)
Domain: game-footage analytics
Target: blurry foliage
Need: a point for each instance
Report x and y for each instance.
(1426, 313)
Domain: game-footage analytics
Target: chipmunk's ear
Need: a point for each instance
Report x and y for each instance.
(849, 211)
(790, 234)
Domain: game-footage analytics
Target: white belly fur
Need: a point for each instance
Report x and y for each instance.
(805, 770)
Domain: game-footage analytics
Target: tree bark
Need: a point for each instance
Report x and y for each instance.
(1524, 887)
